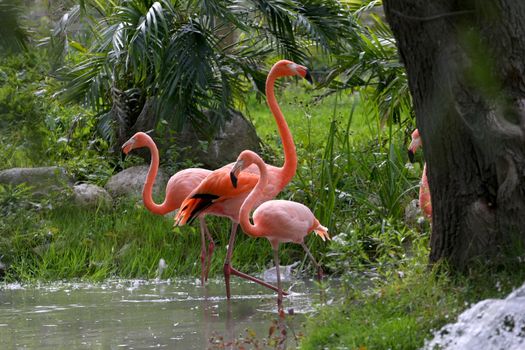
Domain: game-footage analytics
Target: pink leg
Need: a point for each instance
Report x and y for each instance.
(203, 249)
(229, 270)
(278, 274)
(211, 248)
(319, 269)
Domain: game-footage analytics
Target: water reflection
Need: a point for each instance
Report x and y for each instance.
(142, 314)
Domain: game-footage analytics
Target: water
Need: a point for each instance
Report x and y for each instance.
(135, 314)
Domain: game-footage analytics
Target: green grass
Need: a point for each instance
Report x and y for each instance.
(308, 116)
(126, 241)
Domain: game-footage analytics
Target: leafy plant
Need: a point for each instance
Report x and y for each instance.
(186, 62)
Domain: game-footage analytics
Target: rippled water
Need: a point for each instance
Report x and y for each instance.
(139, 314)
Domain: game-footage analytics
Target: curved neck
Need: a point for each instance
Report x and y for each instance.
(147, 191)
(253, 197)
(290, 157)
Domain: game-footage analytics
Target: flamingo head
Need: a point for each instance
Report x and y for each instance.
(287, 68)
(244, 160)
(414, 145)
(138, 140)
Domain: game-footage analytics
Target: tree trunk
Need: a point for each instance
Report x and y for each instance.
(465, 61)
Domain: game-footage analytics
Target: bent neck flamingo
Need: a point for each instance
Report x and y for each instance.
(179, 186)
(279, 221)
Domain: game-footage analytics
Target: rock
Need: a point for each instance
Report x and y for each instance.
(235, 136)
(92, 196)
(130, 181)
(44, 180)
(491, 324)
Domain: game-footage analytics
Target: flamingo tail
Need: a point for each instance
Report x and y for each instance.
(192, 207)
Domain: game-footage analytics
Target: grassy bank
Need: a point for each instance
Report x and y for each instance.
(402, 310)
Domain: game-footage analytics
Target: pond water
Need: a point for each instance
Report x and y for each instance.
(137, 314)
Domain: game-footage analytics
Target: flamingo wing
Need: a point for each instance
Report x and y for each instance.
(182, 183)
(215, 188)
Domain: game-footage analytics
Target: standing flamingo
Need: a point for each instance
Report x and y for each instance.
(178, 187)
(216, 195)
(425, 202)
(280, 221)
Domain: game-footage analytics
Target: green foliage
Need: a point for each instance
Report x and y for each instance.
(186, 58)
(126, 241)
(13, 34)
(369, 63)
(37, 130)
(401, 310)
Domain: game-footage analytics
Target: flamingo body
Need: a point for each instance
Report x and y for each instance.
(425, 201)
(279, 221)
(285, 221)
(179, 186)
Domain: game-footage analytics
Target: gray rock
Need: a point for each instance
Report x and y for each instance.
(491, 324)
(44, 180)
(91, 196)
(130, 181)
(235, 136)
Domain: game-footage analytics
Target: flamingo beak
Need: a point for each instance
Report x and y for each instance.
(237, 167)
(128, 145)
(411, 156)
(308, 77)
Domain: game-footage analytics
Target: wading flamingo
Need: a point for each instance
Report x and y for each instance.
(424, 191)
(178, 188)
(216, 195)
(280, 221)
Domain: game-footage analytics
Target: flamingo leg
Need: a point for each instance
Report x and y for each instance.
(278, 274)
(203, 249)
(211, 247)
(229, 270)
(319, 268)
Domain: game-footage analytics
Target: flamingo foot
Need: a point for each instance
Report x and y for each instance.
(228, 270)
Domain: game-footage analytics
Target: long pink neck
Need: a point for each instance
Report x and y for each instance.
(147, 191)
(253, 197)
(287, 171)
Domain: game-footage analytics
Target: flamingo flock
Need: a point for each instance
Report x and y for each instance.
(235, 189)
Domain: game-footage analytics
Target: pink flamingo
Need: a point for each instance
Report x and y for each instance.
(280, 221)
(216, 195)
(177, 189)
(425, 202)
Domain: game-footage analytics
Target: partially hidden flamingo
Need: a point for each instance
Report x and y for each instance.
(216, 195)
(425, 202)
(280, 221)
(179, 186)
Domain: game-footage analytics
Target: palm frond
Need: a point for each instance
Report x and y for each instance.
(13, 34)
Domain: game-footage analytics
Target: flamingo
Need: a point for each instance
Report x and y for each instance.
(280, 221)
(177, 189)
(425, 202)
(216, 195)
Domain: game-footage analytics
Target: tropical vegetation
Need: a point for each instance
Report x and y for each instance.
(109, 68)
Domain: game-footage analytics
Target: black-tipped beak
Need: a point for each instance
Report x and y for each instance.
(411, 156)
(308, 77)
(233, 179)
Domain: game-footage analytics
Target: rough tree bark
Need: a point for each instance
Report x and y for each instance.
(465, 62)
